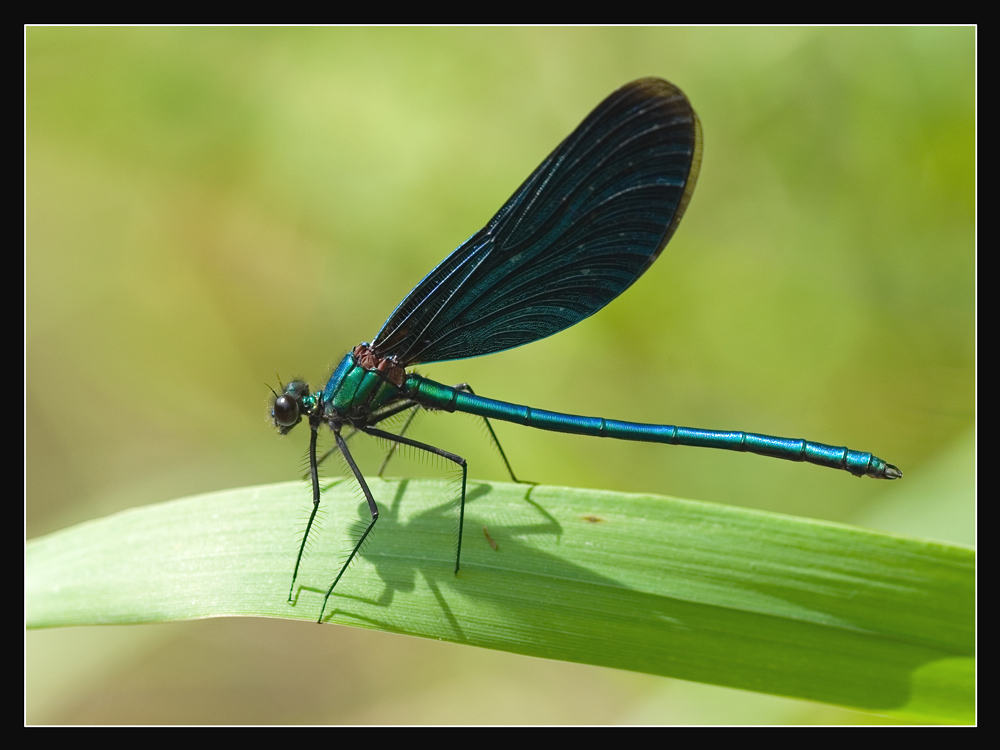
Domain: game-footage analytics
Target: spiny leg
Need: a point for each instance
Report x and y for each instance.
(314, 477)
(398, 408)
(372, 508)
(493, 436)
(380, 416)
(406, 425)
(374, 432)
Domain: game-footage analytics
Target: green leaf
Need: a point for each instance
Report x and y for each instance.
(698, 591)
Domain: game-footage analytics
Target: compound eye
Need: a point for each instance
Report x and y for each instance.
(285, 411)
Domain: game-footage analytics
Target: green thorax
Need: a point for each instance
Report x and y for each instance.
(355, 390)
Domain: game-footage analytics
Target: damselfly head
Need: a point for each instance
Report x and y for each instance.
(286, 410)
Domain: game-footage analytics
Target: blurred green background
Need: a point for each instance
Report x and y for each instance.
(207, 207)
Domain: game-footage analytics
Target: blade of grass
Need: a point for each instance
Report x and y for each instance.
(698, 591)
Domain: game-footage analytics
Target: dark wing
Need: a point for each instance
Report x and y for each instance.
(584, 226)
